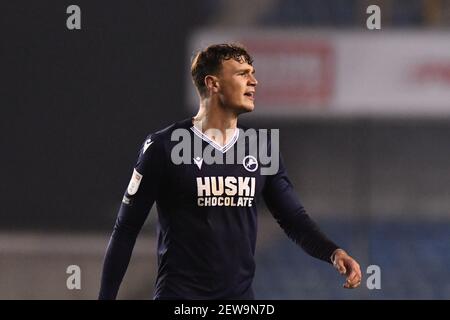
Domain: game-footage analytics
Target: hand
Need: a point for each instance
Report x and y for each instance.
(346, 265)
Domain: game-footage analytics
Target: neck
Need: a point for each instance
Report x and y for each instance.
(212, 117)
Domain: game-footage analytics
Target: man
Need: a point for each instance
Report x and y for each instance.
(207, 215)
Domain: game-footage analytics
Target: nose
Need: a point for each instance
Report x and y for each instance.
(253, 80)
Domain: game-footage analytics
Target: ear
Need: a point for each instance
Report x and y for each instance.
(212, 84)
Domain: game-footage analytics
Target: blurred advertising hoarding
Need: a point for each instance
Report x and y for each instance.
(343, 73)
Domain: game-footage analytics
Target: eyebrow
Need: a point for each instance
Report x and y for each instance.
(247, 70)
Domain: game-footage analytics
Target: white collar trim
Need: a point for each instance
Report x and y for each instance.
(222, 149)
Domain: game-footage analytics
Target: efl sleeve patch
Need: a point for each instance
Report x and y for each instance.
(135, 181)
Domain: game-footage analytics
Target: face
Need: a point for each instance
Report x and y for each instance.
(236, 86)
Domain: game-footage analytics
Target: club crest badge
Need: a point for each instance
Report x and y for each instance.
(250, 163)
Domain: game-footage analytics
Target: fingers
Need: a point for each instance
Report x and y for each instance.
(339, 265)
(346, 265)
(352, 286)
(354, 277)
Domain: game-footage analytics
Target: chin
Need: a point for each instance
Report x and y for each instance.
(243, 108)
(247, 108)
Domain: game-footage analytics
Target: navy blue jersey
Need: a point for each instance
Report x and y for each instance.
(207, 217)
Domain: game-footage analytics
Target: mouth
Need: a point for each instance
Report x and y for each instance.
(250, 95)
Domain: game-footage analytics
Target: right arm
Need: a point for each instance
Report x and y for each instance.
(134, 209)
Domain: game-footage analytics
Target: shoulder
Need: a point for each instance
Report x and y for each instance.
(159, 139)
(154, 149)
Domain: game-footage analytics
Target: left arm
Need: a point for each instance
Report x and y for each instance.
(290, 214)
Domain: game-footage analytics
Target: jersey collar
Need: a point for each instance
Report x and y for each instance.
(222, 149)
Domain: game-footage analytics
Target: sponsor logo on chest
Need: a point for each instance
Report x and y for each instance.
(225, 191)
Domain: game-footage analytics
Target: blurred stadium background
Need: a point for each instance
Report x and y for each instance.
(364, 118)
